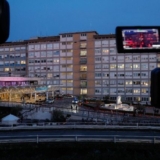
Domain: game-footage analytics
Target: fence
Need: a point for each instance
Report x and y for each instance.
(80, 138)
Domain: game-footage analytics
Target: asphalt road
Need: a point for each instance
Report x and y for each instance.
(64, 132)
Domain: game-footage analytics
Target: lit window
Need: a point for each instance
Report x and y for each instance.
(83, 45)
(83, 52)
(105, 51)
(121, 66)
(113, 66)
(23, 62)
(6, 69)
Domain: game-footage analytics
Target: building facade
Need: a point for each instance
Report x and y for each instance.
(83, 63)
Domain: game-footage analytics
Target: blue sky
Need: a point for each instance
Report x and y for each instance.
(31, 18)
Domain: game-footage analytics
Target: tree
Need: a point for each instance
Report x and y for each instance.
(16, 111)
(58, 116)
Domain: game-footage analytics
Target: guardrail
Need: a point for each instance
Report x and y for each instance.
(80, 138)
(80, 125)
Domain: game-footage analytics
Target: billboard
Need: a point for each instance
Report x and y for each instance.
(138, 39)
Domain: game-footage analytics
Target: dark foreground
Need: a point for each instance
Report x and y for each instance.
(79, 151)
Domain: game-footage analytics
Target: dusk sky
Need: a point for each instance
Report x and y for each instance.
(31, 18)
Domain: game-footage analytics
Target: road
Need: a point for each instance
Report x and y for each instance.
(64, 132)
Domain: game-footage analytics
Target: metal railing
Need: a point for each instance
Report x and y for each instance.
(80, 138)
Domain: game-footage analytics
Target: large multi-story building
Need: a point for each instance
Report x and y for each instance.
(83, 63)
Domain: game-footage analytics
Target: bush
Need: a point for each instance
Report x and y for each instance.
(58, 116)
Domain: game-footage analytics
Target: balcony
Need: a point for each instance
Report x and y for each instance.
(83, 61)
(83, 70)
(83, 86)
(83, 77)
(83, 46)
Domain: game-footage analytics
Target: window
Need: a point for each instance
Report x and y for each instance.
(129, 90)
(120, 90)
(49, 75)
(144, 83)
(63, 51)
(31, 61)
(56, 45)
(144, 90)
(136, 82)
(6, 69)
(31, 54)
(120, 58)
(112, 82)
(128, 82)
(98, 90)
(105, 82)
(98, 74)
(120, 75)
(136, 90)
(105, 74)
(113, 90)
(112, 58)
(11, 49)
(83, 45)
(82, 60)
(43, 46)
(136, 58)
(97, 51)
(56, 53)
(69, 35)
(105, 43)
(152, 66)
(136, 66)
(98, 59)
(128, 74)
(120, 82)
(105, 66)
(113, 66)
(83, 34)
(43, 54)
(98, 66)
(144, 66)
(121, 66)
(144, 57)
(49, 53)
(37, 61)
(31, 47)
(49, 46)
(144, 74)
(69, 43)
(105, 91)
(83, 83)
(56, 60)
(37, 47)
(97, 43)
(83, 91)
(128, 66)
(136, 74)
(83, 68)
(37, 54)
(23, 62)
(105, 51)
(97, 82)
(105, 59)
(112, 43)
(128, 58)
(83, 53)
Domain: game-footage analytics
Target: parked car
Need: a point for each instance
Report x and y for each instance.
(75, 100)
(50, 101)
